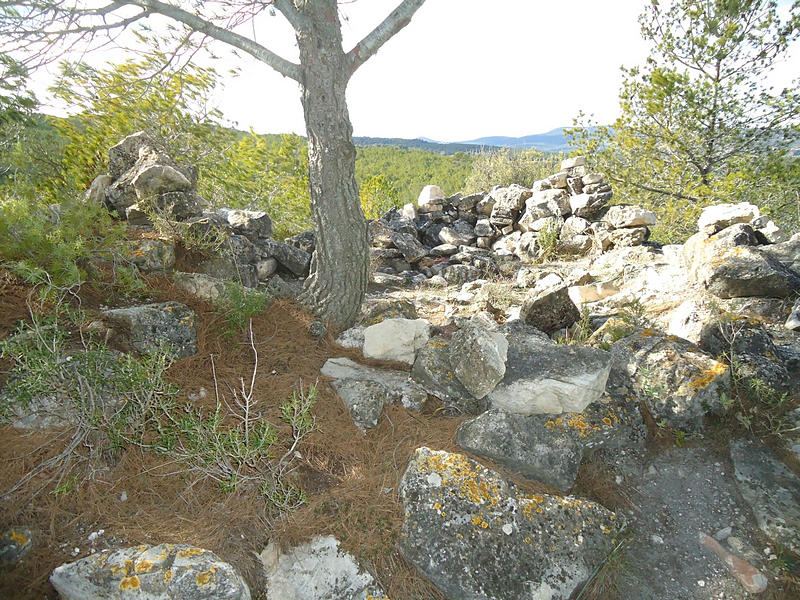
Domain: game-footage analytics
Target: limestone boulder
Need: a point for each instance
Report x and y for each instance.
(508, 202)
(365, 391)
(153, 255)
(150, 327)
(430, 195)
(253, 224)
(160, 572)
(549, 310)
(409, 245)
(375, 310)
(290, 257)
(433, 370)
(550, 448)
(718, 217)
(546, 378)
(677, 381)
(317, 570)
(201, 285)
(478, 357)
(588, 205)
(629, 216)
(396, 339)
(474, 534)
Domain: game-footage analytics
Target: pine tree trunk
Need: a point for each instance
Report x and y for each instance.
(340, 264)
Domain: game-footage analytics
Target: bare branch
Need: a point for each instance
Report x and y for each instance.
(397, 19)
(280, 64)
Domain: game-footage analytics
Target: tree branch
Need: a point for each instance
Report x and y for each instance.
(280, 64)
(289, 10)
(397, 19)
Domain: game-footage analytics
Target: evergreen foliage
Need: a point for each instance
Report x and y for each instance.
(699, 122)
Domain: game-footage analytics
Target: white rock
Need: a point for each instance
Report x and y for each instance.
(581, 294)
(351, 338)
(575, 161)
(591, 178)
(629, 216)
(720, 216)
(429, 194)
(396, 339)
(317, 570)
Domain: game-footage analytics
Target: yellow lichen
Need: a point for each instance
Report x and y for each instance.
(129, 583)
(203, 579)
(167, 576)
(707, 376)
(190, 552)
(143, 566)
(18, 538)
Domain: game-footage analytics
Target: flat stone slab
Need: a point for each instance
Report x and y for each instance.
(171, 325)
(543, 377)
(771, 489)
(317, 570)
(365, 391)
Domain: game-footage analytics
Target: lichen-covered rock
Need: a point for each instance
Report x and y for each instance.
(163, 572)
(317, 570)
(771, 489)
(396, 339)
(550, 448)
(365, 391)
(14, 545)
(589, 205)
(434, 371)
(461, 274)
(201, 285)
(478, 357)
(508, 201)
(747, 344)
(546, 378)
(375, 310)
(409, 246)
(169, 325)
(793, 320)
(549, 310)
(475, 535)
(677, 381)
(152, 255)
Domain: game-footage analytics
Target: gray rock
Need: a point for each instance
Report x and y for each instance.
(483, 228)
(574, 226)
(366, 391)
(14, 545)
(588, 205)
(169, 325)
(227, 269)
(444, 249)
(396, 339)
(549, 310)
(748, 345)
(678, 382)
(771, 489)
(317, 570)
(278, 288)
(409, 245)
(253, 224)
(572, 162)
(460, 274)
(380, 234)
(388, 259)
(430, 195)
(478, 357)
(306, 241)
(201, 285)
(154, 180)
(543, 377)
(266, 268)
(433, 370)
(351, 338)
(508, 201)
(294, 259)
(718, 217)
(624, 215)
(150, 573)
(629, 236)
(153, 255)
(793, 321)
(475, 535)
(787, 253)
(550, 448)
(375, 310)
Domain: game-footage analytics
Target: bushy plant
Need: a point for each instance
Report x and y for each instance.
(508, 166)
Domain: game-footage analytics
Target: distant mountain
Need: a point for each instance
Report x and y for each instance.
(552, 141)
(421, 144)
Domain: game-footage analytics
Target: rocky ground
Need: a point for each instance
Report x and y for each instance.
(536, 403)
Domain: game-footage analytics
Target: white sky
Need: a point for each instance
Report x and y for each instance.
(462, 69)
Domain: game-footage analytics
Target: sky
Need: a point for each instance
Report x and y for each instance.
(462, 69)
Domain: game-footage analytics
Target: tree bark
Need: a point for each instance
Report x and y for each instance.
(340, 264)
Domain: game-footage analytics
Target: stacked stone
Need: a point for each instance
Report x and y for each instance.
(462, 237)
(142, 179)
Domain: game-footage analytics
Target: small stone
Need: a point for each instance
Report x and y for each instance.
(317, 330)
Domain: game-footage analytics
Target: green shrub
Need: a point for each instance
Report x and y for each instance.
(506, 167)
